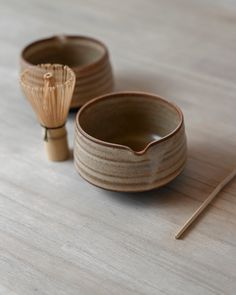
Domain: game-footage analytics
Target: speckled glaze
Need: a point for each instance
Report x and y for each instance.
(87, 57)
(129, 141)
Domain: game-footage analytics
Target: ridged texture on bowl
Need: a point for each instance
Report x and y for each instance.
(92, 84)
(87, 57)
(120, 169)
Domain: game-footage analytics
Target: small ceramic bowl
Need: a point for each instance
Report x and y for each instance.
(88, 58)
(129, 141)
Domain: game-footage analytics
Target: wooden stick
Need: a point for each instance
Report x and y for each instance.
(218, 188)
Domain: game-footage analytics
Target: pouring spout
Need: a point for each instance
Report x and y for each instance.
(144, 150)
(140, 145)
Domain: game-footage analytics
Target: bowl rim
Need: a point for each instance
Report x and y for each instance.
(81, 69)
(128, 93)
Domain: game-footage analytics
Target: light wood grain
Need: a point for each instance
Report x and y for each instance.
(59, 234)
(206, 203)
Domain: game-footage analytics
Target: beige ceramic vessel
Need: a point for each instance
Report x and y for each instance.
(129, 141)
(87, 57)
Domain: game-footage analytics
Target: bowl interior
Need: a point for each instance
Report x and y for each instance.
(70, 51)
(132, 120)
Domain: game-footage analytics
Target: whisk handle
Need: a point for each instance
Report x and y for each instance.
(56, 144)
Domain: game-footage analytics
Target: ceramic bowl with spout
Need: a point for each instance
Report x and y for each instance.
(87, 57)
(129, 141)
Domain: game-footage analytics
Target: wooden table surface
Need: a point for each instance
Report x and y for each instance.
(60, 235)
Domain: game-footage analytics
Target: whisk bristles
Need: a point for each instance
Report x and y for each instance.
(50, 92)
(49, 89)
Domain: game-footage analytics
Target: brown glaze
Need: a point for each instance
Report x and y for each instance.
(88, 58)
(129, 141)
(141, 130)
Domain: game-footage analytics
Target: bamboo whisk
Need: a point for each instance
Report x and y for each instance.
(49, 90)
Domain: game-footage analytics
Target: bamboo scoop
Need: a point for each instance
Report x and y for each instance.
(49, 92)
(208, 200)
